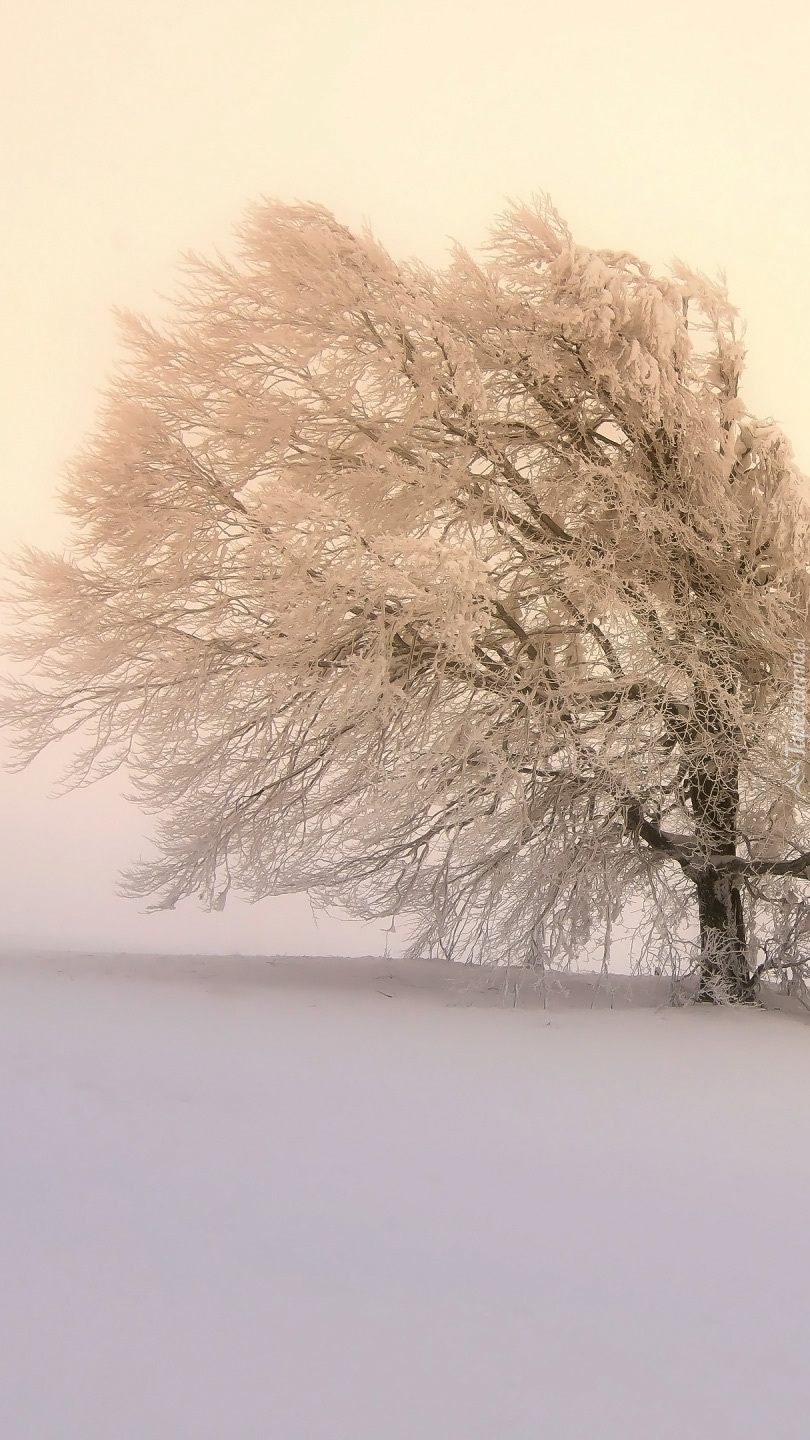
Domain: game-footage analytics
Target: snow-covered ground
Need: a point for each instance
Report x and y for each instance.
(364, 1200)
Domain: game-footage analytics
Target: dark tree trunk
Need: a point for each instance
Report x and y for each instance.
(724, 971)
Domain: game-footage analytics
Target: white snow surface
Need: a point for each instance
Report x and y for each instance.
(323, 1199)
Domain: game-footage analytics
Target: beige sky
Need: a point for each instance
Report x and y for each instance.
(133, 131)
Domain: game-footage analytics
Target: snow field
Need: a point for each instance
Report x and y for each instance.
(334, 1200)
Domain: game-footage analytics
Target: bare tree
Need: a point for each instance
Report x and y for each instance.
(476, 596)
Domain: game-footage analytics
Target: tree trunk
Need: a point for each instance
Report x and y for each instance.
(724, 972)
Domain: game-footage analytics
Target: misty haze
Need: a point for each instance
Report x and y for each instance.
(405, 928)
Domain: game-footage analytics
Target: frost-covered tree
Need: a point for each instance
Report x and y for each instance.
(475, 596)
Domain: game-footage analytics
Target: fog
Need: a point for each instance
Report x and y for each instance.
(135, 131)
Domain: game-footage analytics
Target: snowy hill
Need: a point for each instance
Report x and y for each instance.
(363, 1200)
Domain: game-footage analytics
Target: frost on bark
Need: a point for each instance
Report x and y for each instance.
(475, 596)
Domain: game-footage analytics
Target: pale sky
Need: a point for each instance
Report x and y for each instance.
(133, 130)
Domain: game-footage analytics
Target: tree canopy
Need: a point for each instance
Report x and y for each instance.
(473, 595)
